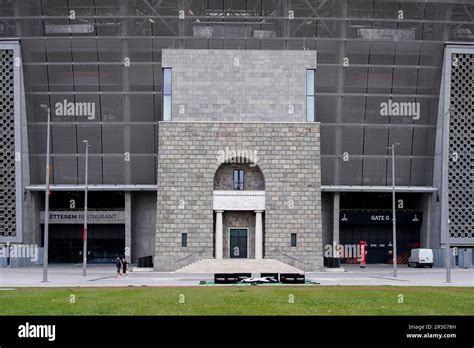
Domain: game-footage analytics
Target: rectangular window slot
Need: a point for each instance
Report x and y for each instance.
(184, 240)
(167, 79)
(239, 179)
(293, 239)
(310, 116)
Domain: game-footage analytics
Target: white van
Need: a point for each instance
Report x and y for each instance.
(421, 257)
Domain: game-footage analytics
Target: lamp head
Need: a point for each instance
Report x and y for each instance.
(393, 145)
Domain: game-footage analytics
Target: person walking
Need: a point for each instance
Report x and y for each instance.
(124, 267)
(119, 265)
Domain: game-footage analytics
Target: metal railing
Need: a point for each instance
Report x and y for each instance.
(290, 256)
(189, 255)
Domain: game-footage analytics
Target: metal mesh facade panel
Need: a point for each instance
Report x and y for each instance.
(82, 60)
(7, 145)
(461, 166)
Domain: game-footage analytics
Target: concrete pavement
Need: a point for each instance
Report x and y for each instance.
(97, 276)
(383, 275)
(103, 276)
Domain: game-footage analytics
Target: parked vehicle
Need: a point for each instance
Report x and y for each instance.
(420, 258)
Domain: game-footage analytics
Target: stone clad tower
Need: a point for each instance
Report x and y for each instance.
(239, 169)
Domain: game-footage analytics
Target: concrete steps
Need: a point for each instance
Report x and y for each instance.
(238, 266)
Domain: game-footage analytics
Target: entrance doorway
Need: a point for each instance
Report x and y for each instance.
(379, 241)
(104, 243)
(238, 242)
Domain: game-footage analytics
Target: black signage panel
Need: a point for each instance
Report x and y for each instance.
(380, 217)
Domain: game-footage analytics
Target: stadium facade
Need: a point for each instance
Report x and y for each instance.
(253, 125)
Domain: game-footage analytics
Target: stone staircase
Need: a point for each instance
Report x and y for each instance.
(238, 266)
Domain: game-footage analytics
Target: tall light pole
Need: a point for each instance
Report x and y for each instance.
(448, 255)
(447, 258)
(46, 196)
(394, 214)
(84, 236)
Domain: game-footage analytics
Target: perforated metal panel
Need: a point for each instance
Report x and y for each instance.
(7, 145)
(461, 166)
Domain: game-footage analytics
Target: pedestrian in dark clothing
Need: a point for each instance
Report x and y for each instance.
(124, 267)
(118, 264)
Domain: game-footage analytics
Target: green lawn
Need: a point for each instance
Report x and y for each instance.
(240, 300)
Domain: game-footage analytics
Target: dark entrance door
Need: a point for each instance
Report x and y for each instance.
(104, 243)
(238, 243)
(379, 241)
(376, 254)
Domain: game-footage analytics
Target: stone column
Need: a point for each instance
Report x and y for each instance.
(335, 224)
(128, 227)
(258, 235)
(219, 234)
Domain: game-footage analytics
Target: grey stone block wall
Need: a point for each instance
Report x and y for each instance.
(239, 85)
(289, 157)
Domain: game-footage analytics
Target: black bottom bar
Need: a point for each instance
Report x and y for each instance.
(172, 331)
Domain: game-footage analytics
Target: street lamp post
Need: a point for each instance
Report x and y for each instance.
(46, 196)
(448, 251)
(394, 218)
(84, 236)
(448, 255)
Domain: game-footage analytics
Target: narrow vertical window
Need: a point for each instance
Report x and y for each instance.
(184, 240)
(310, 117)
(238, 180)
(167, 94)
(293, 239)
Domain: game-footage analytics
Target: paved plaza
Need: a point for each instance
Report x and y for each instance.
(103, 276)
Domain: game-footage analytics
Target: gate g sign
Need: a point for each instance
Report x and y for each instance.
(380, 217)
